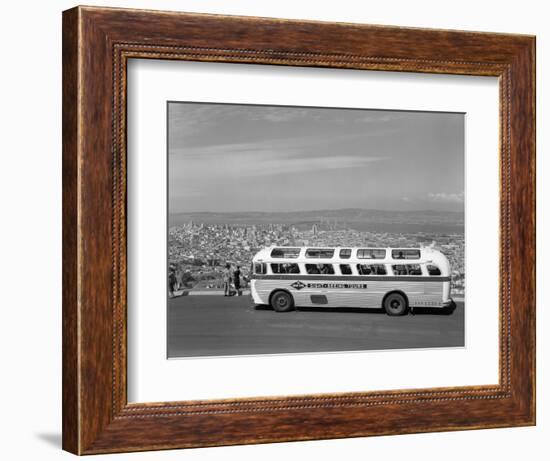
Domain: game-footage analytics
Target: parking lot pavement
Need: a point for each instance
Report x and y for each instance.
(214, 325)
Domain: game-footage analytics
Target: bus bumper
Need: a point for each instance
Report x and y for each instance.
(450, 305)
(255, 296)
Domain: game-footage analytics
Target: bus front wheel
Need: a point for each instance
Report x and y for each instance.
(281, 301)
(395, 304)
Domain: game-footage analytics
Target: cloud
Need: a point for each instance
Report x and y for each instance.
(196, 124)
(305, 146)
(443, 197)
(261, 163)
(275, 166)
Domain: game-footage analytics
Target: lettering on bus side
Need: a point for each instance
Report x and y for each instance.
(298, 285)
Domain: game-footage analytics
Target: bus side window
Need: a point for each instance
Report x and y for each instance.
(405, 254)
(345, 253)
(323, 269)
(319, 253)
(399, 269)
(371, 253)
(285, 268)
(371, 269)
(293, 269)
(345, 269)
(259, 268)
(433, 270)
(285, 253)
(327, 269)
(312, 269)
(407, 269)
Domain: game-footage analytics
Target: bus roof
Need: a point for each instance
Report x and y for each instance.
(299, 254)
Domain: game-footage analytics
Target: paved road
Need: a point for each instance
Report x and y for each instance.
(214, 325)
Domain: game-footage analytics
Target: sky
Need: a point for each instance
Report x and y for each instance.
(230, 157)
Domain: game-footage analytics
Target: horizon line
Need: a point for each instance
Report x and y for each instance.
(319, 209)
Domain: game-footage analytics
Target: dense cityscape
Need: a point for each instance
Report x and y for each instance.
(199, 251)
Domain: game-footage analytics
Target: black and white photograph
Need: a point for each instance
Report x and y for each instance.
(275, 230)
(313, 229)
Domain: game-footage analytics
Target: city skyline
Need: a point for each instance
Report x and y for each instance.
(245, 158)
(200, 251)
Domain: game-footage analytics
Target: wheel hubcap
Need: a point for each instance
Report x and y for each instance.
(395, 305)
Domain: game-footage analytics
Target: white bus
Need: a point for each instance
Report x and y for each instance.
(395, 279)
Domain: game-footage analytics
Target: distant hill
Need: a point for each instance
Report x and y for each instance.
(355, 218)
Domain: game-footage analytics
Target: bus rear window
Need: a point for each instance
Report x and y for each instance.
(322, 269)
(290, 253)
(406, 269)
(405, 254)
(433, 270)
(285, 268)
(371, 253)
(319, 253)
(371, 269)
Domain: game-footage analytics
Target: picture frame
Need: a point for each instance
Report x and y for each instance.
(97, 44)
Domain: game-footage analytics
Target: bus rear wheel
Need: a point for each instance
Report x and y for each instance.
(281, 301)
(396, 304)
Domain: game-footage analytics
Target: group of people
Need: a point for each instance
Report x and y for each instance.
(231, 279)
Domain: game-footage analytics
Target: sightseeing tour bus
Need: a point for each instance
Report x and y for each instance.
(395, 279)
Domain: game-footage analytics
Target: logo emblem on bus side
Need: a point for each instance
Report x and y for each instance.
(298, 285)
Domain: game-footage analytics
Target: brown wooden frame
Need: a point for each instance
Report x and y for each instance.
(97, 43)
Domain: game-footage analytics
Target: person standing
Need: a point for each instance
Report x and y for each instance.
(237, 280)
(227, 280)
(172, 281)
